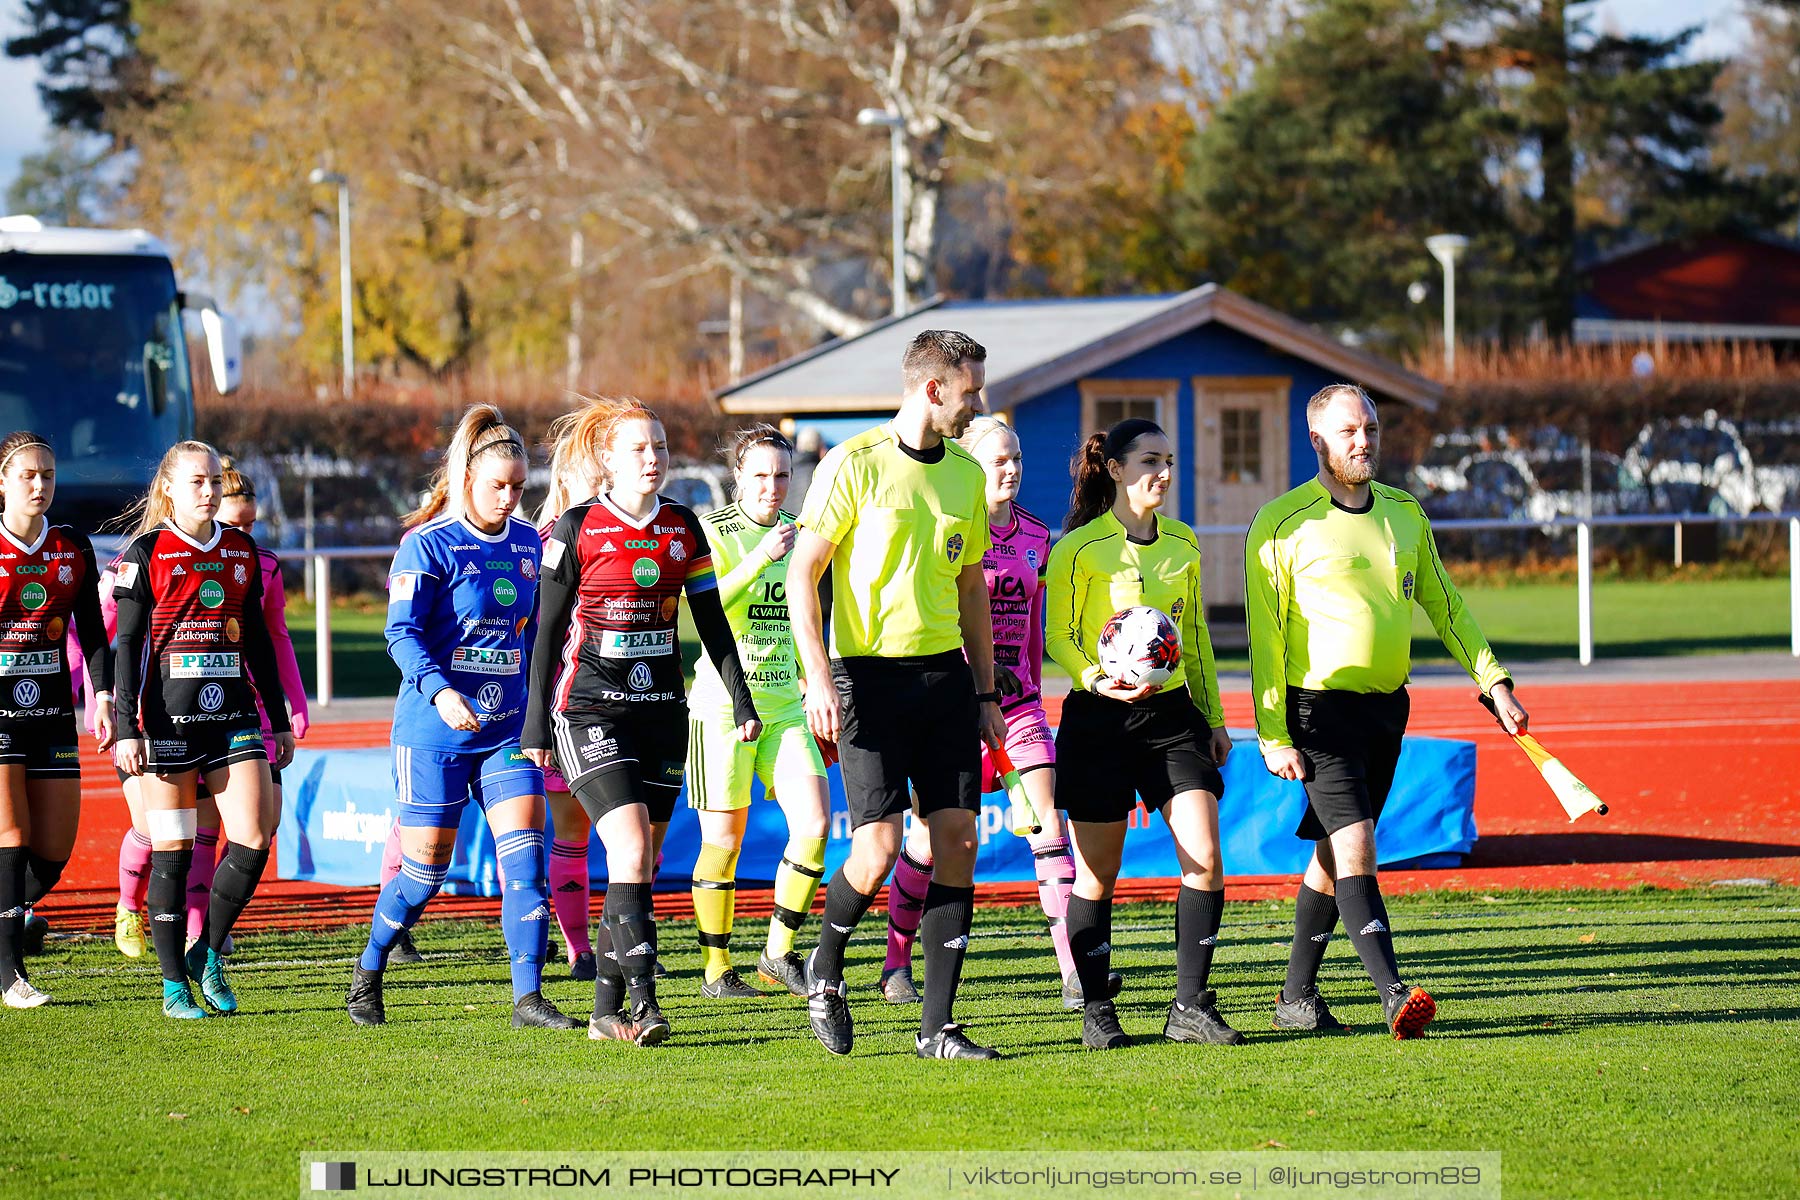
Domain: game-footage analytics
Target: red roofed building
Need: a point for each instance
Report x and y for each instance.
(1720, 286)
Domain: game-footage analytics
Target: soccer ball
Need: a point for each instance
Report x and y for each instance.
(1140, 645)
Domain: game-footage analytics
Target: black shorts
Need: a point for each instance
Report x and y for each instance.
(1351, 741)
(1110, 753)
(202, 749)
(908, 721)
(48, 747)
(616, 758)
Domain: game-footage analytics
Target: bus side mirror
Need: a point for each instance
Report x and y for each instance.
(224, 348)
(224, 344)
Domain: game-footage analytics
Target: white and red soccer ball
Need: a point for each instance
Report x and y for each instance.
(1140, 645)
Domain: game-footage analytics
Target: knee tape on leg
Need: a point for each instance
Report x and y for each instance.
(172, 825)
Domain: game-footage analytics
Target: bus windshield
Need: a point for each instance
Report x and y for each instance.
(93, 358)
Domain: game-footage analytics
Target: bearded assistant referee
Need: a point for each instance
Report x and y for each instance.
(900, 515)
(1333, 569)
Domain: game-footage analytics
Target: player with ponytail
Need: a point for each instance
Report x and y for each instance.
(606, 686)
(461, 596)
(193, 657)
(1119, 742)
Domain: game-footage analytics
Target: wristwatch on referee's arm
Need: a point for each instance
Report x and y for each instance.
(987, 698)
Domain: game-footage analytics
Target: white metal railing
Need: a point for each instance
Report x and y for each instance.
(321, 559)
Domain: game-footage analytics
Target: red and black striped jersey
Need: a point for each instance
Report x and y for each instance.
(205, 625)
(621, 647)
(42, 586)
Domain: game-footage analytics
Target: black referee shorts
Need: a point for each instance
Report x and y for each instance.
(1352, 742)
(907, 721)
(1109, 753)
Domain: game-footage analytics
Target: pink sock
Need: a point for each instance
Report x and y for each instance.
(200, 879)
(569, 893)
(906, 902)
(390, 855)
(134, 869)
(1056, 878)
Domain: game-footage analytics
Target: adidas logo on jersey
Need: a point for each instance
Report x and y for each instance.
(960, 942)
(176, 570)
(607, 547)
(641, 948)
(471, 569)
(1375, 926)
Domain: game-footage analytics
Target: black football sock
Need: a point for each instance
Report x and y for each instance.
(1366, 921)
(944, 930)
(1315, 916)
(1090, 931)
(1197, 916)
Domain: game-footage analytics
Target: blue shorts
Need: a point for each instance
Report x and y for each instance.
(433, 786)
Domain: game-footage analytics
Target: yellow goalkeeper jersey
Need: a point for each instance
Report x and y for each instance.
(1097, 570)
(1329, 595)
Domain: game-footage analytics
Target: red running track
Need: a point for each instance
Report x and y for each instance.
(1703, 780)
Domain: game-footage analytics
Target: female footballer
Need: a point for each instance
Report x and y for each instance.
(1117, 742)
(606, 686)
(750, 541)
(47, 577)
(461, 595)
(193, 654)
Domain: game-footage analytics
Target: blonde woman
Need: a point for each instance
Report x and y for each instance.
(193, 655)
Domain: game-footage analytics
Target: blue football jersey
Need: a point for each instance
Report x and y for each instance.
(462, 613)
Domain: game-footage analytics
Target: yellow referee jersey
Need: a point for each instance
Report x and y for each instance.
(1097, 570)
(905, 524)
(1329, 595)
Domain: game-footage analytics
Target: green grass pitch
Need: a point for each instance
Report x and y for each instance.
(1624, 1044)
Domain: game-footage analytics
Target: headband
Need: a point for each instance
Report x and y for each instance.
(25, 446)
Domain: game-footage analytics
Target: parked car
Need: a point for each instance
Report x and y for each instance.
(1694, 465)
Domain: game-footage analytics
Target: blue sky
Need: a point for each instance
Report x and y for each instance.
(23, 128)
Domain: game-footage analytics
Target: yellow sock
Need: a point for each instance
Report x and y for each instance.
(796, 880)
(715, 900)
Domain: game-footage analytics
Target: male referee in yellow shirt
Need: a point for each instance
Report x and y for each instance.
(1333, 569)
(900, 515)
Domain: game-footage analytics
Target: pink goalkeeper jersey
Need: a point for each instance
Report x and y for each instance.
(1014, 569)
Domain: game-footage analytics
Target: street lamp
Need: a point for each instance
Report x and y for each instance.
(896, 127)
(318, 177)
(1447, 248)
